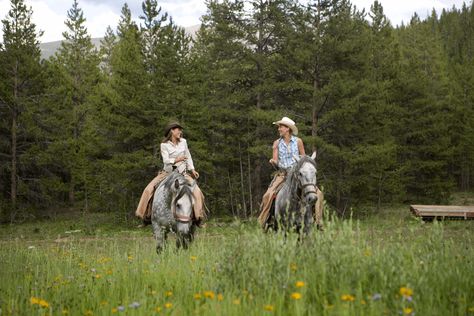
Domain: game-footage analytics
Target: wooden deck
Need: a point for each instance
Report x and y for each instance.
(443, 211)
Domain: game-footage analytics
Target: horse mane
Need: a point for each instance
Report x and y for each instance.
(184, 188)
(292, 178)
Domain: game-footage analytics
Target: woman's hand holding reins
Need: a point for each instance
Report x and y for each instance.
(180, 158)
(195, 174)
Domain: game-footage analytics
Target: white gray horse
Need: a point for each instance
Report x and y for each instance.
(294, 203)
(172, 210)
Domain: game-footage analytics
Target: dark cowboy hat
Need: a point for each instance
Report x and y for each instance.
(171, 126)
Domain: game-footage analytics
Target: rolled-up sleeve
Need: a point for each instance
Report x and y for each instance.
(167, 160)
(189, 161)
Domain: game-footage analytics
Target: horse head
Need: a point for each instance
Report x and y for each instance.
(181, 202)
(305, 174)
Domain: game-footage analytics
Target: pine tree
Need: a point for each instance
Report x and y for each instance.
(20, 88)
(107, 45)
(124, 129)
(456, 29)
(74, 75)
(423, 131)
(220, 81)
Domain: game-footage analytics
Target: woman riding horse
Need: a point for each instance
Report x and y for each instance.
(176, 157)
(285, 151)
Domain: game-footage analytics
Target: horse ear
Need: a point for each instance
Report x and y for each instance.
(313, 156)
(176, 184)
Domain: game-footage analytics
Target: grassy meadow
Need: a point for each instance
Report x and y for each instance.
(386, 263)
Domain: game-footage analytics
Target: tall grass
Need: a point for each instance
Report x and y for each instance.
(238, 270)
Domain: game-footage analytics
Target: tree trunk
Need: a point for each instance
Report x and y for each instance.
(314, 117)
(250, 184)
(13, 189)
(14, 139)
(71, 191)
(244, 204)
(230, 193)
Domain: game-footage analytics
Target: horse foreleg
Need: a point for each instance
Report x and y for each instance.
(184, 240)
(160, 237)
(308, 220)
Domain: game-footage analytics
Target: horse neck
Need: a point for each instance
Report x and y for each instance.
(292, 183)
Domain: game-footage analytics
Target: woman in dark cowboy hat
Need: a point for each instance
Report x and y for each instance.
(176, 157)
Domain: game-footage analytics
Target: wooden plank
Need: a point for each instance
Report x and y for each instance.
(431, 211)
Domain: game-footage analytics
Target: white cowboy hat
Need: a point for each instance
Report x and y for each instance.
(288, 122)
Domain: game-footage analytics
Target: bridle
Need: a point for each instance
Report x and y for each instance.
(309, 191)
(178, 217)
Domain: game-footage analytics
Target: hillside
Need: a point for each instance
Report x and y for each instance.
(48, 49)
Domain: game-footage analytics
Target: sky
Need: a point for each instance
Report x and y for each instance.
(49, 15)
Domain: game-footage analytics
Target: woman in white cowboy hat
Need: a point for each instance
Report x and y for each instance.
(176, 157)
(285, 149)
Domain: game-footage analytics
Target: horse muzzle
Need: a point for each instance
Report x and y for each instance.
(182, 218)
(309, 193)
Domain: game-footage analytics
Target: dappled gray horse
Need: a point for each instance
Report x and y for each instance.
(294, 204)
(172, 210)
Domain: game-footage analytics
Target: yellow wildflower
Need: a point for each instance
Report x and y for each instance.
(363, 302)
(130, 258)
(296, 296)
(114, 310)
(367, 253)
(197, 296)
(236, 301)
(65, 312)
(406, 291)
(103, 303)
(97, 276)
(34, 300)
(88, 313)
(193, 258)
(299, 284)
(104, 260)
(158, 309)
(220, 297)
(168, 305)
(168, 293)
(209, 294)
(108, 272)
(347, 298)
(43, 303)
(268, 308)
(407, 310)
(293, 267)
